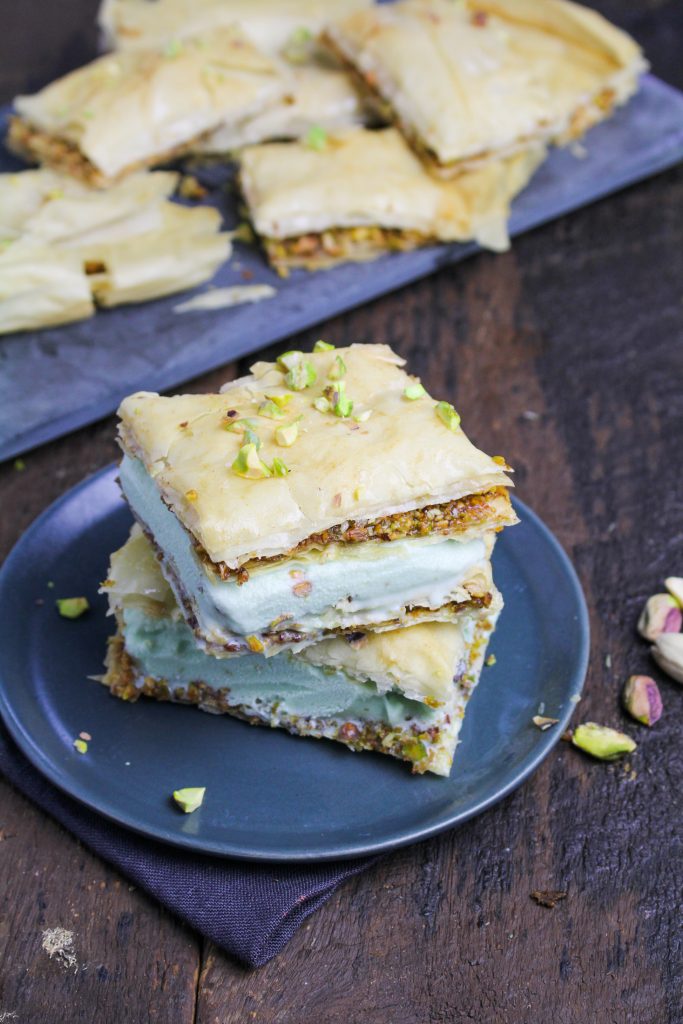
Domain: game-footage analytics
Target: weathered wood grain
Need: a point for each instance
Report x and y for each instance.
(566, 355)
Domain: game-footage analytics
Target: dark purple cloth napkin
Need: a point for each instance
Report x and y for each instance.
(249, 910)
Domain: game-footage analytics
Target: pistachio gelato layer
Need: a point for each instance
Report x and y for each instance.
(402, 693)
(340, 587)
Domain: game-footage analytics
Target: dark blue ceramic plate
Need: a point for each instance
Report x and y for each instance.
(270, 796)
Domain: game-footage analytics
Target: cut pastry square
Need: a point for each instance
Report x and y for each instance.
(129, 110)
(478, 78)
(402, 693)
(360, 194)
(320, 99)
(40, 286)
(273, 25)
(322, 495)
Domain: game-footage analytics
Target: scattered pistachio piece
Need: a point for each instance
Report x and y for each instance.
(674, 584)
(255, 645)
(414, 750)
(301, 376)
(661, 614)
(413, 392)
(271, 410)
(296, 50)
(279, 468)
(323, 346)
(249, 465)
(668, 653)
(338, 369)
(322, 404)
(281, 401)
(81, 746)
(289, 359)
(19, 465)
(251, 437)
(239, 426)
(72, 607)
(189, 799)
(191, 495)
(244, 233)
(491, 660)
(286, 436)
(50, 584)
(543, 723)
(316, 138)
(642, 699)
(448, 415)
(339, 401)
(173, 48)
(602, 742)
(362, 417)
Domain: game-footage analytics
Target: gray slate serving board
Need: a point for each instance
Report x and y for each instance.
(56, 380)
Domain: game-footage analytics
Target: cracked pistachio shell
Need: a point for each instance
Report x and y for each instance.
(674, 584)
(661, 614)
(668, 653)
(642, 700)
(602, 742)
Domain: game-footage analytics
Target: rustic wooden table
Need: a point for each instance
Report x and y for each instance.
(566, 354)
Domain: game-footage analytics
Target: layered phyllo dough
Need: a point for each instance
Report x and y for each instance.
(323, 495)
(473, 79)
(402, 693)
(138, 108)
(359, 194)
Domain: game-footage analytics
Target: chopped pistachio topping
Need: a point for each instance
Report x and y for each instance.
(448, 415)
(270, 410)
(251, 437)
(322, 404)
(240, 426)
(191, 495)
(285, 436)
(72, 607)
(248, 464)
(279, 468)
(413, 392)
(338, 369)
(340, 402)
(81, 746)
(281, 401)
(190, 799)
(288, 360)
(323, 346)
(301, 376)
(414, 750)
(316, 138)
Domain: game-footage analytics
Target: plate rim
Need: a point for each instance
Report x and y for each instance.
(547, 740)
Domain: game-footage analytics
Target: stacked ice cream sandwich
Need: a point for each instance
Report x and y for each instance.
(313, 553)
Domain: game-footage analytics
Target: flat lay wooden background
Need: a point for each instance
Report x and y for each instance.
(566, 355)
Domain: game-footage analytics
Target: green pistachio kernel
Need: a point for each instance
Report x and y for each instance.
(190, 799)
(301, 376)
(316, 138)
(248, 464)
(448, 415)
(323, 346)
(286, 435)
(414, 750)
(72, 607)
(19, 465)
(279, 468)
(341, 404)
(240, 426)
(281, 401)
(288, 360)
(81, 746)
(602, 742)
(251, 437)
(271, 410)
(338, 369)
(322, 404)
(413, 392)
